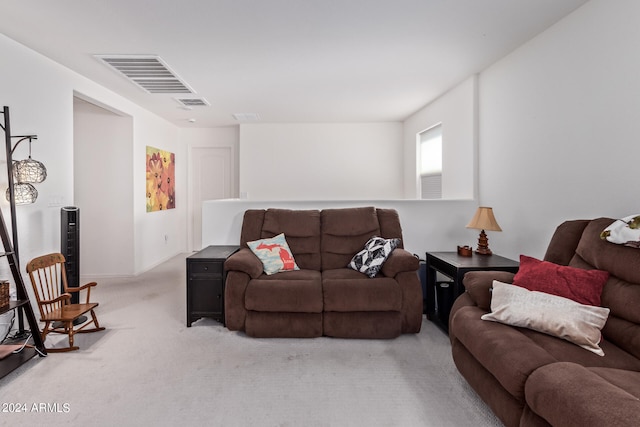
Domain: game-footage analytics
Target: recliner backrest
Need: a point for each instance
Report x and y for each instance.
(621, 293)
(301, 229)
(345, 232)
(322, 240)
(578, 244)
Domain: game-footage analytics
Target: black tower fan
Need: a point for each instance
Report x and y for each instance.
(70, 247)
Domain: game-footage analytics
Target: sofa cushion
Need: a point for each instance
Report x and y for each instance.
(627, 380)
(264, 324)
(370, 259)
(583, 286)
(562, 350)
(274, 253)
(344, 232)
(348, 290)
(550, 314)
(390, 227)
(293, 291)
(624, 334)
(504, 351)
(363, 324)
(302, 229)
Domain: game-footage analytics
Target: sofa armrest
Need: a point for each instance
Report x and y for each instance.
(398, 261)
(478, 285)
(569, 394)
(235, 313)
(245, 261)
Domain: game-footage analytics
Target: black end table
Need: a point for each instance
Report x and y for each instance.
(205, 283)
(442, 294)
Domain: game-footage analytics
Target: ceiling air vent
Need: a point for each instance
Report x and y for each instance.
(193, 102)
(149, 72)
(247, 117)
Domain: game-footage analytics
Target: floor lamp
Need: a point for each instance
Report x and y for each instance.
(21, 175)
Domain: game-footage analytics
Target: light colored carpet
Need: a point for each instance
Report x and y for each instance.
(148, 368)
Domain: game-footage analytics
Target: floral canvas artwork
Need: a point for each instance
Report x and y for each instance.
(161, 186)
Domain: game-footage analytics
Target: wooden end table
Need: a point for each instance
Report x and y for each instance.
(441, 294)
(205, 283)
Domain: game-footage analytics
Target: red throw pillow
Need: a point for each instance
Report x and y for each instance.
(583, 286)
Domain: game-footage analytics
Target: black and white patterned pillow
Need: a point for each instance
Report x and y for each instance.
(376, 251)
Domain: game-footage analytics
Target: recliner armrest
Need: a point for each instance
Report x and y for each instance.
(400, 260)
(568, 394)
(478, 285)
(244, 260)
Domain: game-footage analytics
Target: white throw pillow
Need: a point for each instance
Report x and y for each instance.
(625, 231)
(550, 314)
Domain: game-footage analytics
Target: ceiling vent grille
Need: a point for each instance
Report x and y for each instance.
(193, 102)
(247, 117)
(149, 72)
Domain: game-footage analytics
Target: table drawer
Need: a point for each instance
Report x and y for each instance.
(206, 267)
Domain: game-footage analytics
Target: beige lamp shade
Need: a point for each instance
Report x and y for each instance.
(484, 220)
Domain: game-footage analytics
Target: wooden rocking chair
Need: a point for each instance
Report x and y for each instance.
(56, 310)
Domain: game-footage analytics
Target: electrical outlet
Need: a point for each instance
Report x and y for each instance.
(55, 201)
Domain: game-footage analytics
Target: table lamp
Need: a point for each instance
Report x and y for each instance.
(484, 220)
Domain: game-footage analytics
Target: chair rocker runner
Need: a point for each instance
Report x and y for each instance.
(56, 310)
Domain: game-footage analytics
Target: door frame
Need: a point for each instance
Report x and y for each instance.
(191, 182)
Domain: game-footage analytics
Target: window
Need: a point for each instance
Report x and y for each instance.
(430, 166)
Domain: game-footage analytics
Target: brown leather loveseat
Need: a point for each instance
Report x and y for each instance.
(530, 378)
(324, 297)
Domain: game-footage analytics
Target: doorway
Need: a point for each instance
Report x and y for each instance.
(212, 179)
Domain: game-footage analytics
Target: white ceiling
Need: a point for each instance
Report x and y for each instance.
(287, 60)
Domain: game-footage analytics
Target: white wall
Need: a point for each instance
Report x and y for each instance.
(38, 105)
(321, 161)
(151, 247)
(40, 94)
(457, 111)
(559, 126)
(102, 138)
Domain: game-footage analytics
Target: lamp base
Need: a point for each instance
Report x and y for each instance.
(483, 244)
